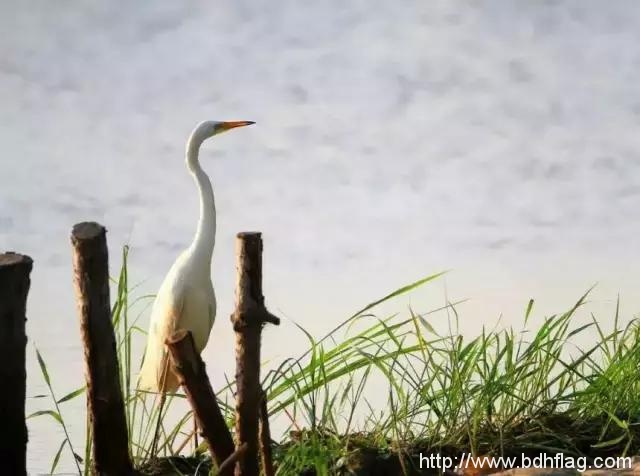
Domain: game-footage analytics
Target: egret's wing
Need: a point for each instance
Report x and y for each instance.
(197, 314)
(171, 315)
(165, 320)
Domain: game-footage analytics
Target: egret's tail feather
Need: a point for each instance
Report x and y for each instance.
(152, 374)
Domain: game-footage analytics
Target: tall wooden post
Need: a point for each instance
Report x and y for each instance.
(14, 287)
(104, 396)
(248, 319)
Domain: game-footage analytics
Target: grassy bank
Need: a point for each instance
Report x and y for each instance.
(503, 392)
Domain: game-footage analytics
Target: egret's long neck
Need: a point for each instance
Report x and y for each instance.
(204, 241)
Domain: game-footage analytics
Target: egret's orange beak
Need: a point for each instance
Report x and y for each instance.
(225, 126)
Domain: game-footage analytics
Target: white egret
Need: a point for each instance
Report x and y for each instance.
(186, 299)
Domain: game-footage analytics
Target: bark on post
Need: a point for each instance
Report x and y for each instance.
(14, 287)
(248, 320)
(104, 396)
(191, 370)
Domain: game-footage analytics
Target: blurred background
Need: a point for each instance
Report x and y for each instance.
(495, 139)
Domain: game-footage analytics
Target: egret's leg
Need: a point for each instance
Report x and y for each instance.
(156, 434)
(163, 396)
(195, 433)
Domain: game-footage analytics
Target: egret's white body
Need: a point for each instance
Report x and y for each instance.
(186, 299)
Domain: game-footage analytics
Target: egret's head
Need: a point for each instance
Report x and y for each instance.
(207, 129)
(202, 132)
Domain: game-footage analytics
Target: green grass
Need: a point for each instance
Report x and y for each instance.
(501, 393)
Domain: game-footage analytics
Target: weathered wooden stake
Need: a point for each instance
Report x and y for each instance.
(14, 287)
(104, 397)
(193, 377)
(248, 319)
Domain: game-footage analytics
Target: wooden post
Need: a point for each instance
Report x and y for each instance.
(104, 396)
(248, 319)
(191, 370)
(14, 287)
